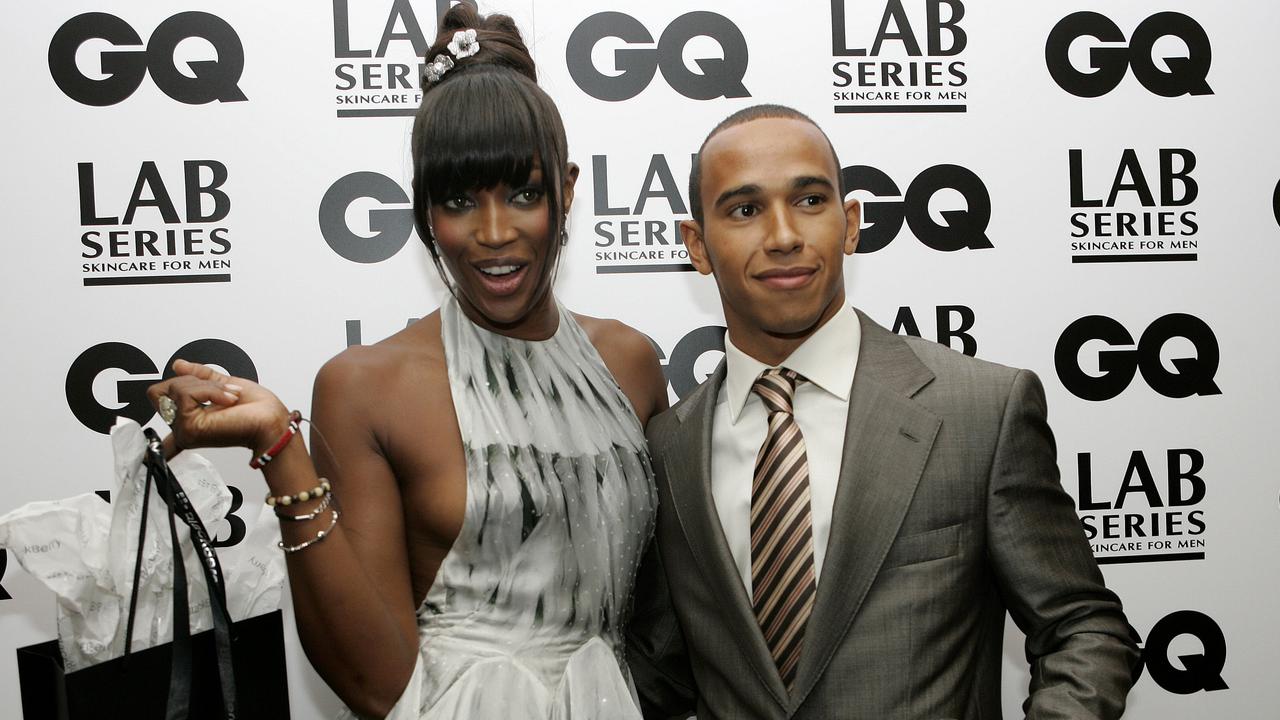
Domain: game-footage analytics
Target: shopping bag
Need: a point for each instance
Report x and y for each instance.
(232, 672)
(136, 687)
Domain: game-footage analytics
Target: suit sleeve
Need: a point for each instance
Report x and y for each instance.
(1082, 651)
(655, 646)
(656, 652)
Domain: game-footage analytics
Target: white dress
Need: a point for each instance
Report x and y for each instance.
(525, 618)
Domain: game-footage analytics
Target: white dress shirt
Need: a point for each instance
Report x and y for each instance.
(821, 406)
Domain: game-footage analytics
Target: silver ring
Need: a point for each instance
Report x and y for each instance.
(168, 409)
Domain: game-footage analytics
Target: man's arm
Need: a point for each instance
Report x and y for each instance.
(655, 646)
(1082, 651)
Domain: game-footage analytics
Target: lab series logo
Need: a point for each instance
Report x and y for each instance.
(378, 55)
(154, 223)
(950, 323)
(637, 205)
(1111, 55)
(1147, 508)
(129, 371)
(638, 57)
(1103, 343)
(118, 61)
(900, 56)
(1133, 206)
(960, 221)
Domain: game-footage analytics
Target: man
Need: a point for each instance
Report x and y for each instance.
(842, 537)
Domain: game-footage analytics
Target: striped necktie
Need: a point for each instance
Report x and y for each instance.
(782, 580)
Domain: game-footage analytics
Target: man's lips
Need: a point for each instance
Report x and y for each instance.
(787, 278)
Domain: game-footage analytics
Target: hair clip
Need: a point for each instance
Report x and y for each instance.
(464, 43)
(438, 66)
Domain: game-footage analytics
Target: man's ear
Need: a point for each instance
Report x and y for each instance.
(853, 217)
(691, 233)
(570, 179)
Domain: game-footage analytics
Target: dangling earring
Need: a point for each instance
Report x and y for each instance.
(564, 230)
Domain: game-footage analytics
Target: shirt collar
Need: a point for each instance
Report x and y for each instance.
(827, 359)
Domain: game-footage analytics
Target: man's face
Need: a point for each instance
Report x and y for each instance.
(775, 232)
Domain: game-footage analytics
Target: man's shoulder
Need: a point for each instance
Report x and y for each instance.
(664, 426)
(959, 378)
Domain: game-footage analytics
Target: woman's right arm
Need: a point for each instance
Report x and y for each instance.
(351, 592)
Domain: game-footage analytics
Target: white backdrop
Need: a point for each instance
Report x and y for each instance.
(278, 176)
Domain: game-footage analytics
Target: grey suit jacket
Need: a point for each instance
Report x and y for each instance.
(948, 512)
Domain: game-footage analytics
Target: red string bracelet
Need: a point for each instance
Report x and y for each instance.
(258, 462)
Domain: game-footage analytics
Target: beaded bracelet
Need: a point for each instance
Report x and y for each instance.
(324, 505)
(295, 419)
(290, 549)
(305, 495)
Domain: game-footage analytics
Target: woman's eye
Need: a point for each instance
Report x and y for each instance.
(457, 202)
(527, 196)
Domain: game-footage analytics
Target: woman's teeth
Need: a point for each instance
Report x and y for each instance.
(499, 270)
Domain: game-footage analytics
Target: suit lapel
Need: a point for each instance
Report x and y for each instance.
(688, 471)
(888, 438)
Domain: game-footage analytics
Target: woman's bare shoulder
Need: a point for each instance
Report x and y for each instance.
(407, 357)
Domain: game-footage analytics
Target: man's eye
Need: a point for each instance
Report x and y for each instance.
(812, 200)
(743, 211)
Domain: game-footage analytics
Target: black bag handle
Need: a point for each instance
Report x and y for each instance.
(179, 505)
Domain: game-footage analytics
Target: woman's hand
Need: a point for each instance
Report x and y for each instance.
(217, 410)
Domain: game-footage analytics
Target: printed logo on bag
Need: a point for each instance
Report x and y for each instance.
(152, 226)
(110, 379)
(1097, 359)
(637, 205)
(366, 217)
(952, 322)
(693, 358)
(193, 57)
(1088, 55)
(635, 58)
(378, 55)
(947, 208)
(1189, 673)
(1127, 210)
(1147, 508)
(900, 56)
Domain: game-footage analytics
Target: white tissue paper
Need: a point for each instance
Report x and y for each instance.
(84, 550)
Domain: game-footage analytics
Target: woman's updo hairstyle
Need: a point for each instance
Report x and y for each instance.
(484, 122)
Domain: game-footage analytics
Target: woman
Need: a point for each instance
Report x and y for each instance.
(494, 486)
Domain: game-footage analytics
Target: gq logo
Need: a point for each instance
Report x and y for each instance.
(679, 368)
(131, 392)
(1185, 75)
(1191, 375)
(634, 67)
(882, 219)
(1275, 203)
(1198, 672)
(389, 227)
(125, 69)
(4, 564)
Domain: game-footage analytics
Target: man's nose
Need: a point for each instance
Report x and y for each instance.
(784, 235)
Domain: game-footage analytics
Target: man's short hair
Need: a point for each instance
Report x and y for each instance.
(746, 115)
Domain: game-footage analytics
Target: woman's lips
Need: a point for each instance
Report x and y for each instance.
(502, 285)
